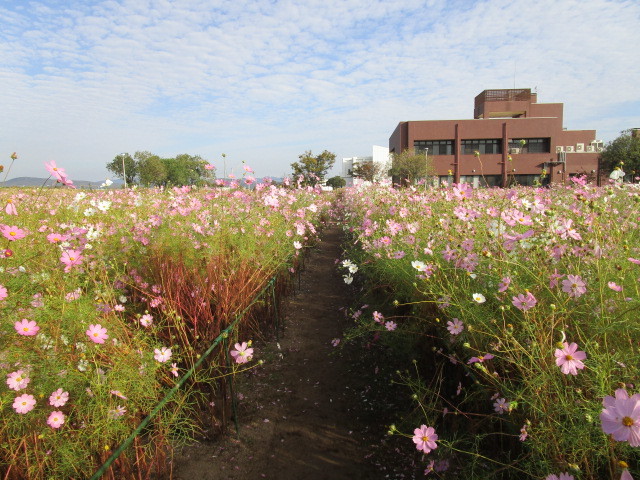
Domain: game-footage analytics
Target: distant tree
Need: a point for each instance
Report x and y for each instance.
(185, 169)
(313, 168)
(368, 171)
(622, 152)
(408, 167)
(151, 169)
(130, 171)
(336, 182)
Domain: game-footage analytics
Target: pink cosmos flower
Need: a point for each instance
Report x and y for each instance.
(59, 398)
(12, 233)
(524, 302)
(501, 406)
(574, 286)
(24, 403)
(17, 380)
(3, 292)
(54, 170)
(174, 369)
(10, 209)
(335, 342)
(425, 438)
(569, 358)
(25, 327)
(480, 359)
(391, 326)
(56, 238)
(378, 317)
(523, 433)
(71, 258)
(56, 419)
(162, 355)
(614, 286)
(455, 326)
(117, 412)
(97, 333)
(208, 166)
(118, 394)
(504, 284)
(626, 475)
(621, 417)
(242, 353)
(247, 169)
(563, 476)
(146, 320)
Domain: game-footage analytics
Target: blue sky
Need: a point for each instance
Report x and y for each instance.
(264, 81)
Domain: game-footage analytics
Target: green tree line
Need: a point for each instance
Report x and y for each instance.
(150, 170)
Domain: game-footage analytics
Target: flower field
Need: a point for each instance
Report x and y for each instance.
(107, 299)
(517, 314)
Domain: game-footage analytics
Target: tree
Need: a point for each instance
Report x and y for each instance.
(408, 167)
(368, 171)
(151, 169)
(336, 182)
(130, 167)
(313, 168)
(622, 152)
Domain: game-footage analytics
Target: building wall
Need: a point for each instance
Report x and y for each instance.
(546, 124)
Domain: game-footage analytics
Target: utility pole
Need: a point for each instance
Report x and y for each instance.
(124, 173)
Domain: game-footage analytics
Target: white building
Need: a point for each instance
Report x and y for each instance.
(380, 156)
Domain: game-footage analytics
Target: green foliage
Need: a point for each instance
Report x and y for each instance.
(313, 168)
(368, 171)
(408, 167)
(623, 152)
(152, 171)
(506, 250)
(124, 167)
(336, 182)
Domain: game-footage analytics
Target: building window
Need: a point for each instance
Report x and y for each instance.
(436, 147)
(482, 180)
(530, 145)
(524, 180)
(484, 146)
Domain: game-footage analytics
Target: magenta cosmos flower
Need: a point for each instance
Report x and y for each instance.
(12, 232)
(524, 302)
(24, 403)
(569, 358)
(242, 352)
(97, 333)
(574, 286)
(71, 258)
(56, 419)
(621, 417)
(26, 327)
(425, 438)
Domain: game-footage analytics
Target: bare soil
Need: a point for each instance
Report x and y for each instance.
(302, 415)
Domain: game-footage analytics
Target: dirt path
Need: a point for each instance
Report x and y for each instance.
(298, 416)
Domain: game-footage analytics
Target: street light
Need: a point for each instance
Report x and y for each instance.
(426, 165)
(124, 173)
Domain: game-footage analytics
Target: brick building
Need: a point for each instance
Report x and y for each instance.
(518, 140)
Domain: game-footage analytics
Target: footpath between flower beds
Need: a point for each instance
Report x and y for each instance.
(299, 413)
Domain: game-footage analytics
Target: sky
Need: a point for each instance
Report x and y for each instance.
(264, 81)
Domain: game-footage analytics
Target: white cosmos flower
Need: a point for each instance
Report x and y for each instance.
(479, 298)
(348, 279)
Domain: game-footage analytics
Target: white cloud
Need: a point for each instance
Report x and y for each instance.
(265, 80)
